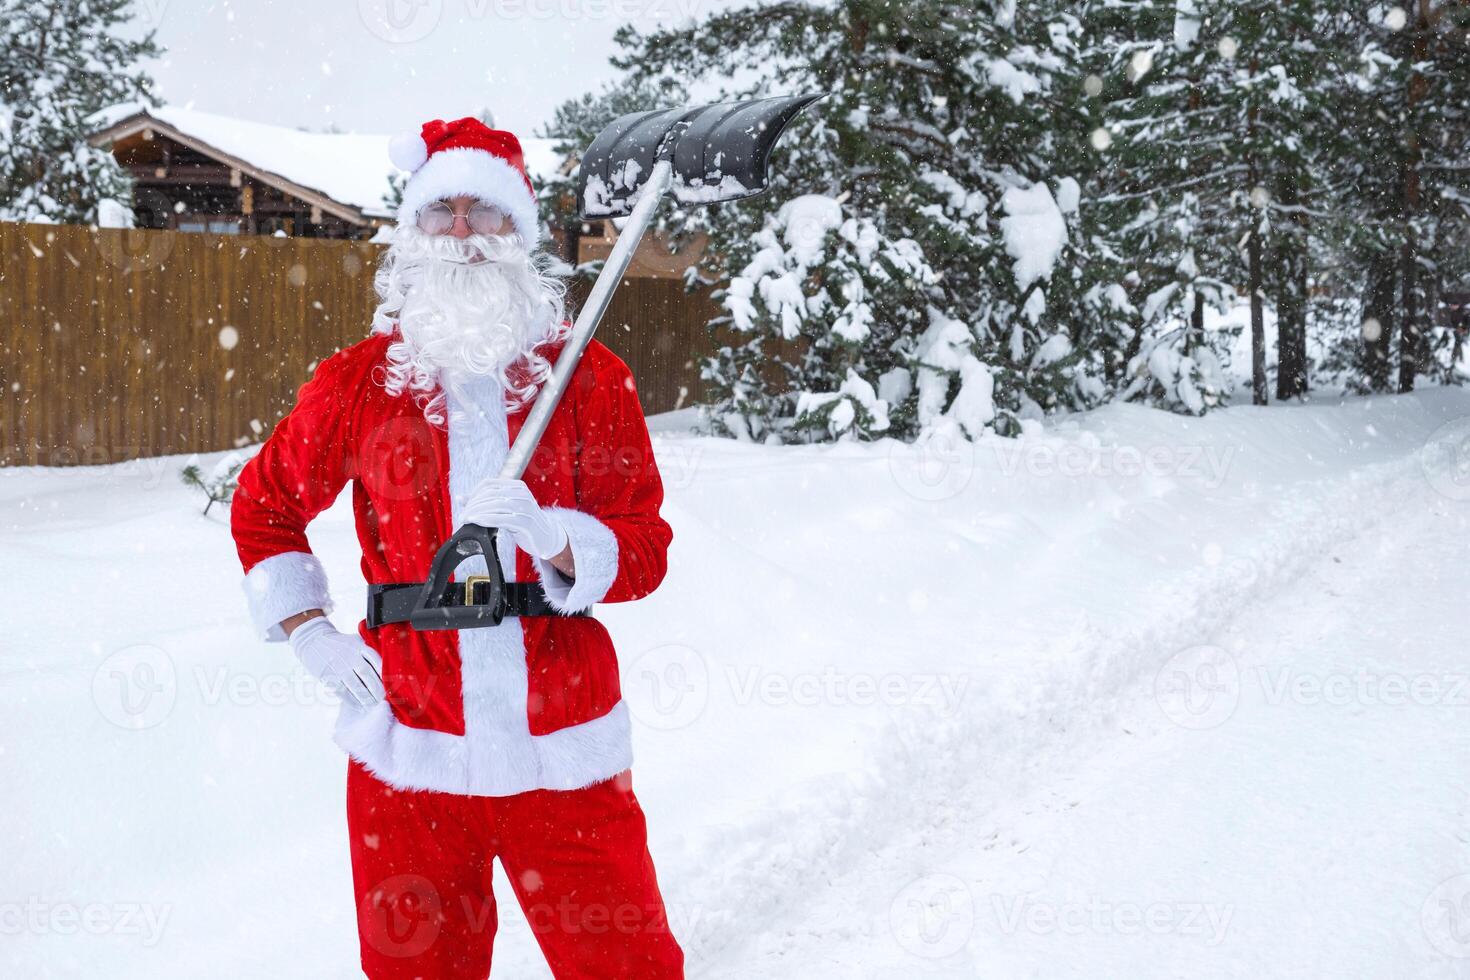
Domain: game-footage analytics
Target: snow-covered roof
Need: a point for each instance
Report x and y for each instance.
(350, 168)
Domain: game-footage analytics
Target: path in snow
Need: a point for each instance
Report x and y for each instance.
(1290, 798)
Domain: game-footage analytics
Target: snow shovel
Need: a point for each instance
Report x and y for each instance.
(705, 155)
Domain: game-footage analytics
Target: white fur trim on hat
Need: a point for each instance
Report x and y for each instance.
(408, 152)
(464, 170)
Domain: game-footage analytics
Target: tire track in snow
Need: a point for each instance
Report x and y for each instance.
(1010, 739)
(1318, 831)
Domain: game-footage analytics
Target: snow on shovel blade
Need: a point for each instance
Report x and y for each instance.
(720, 153)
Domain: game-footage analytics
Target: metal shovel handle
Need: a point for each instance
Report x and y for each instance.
(742, 132)
(433, 611)
(590, 316)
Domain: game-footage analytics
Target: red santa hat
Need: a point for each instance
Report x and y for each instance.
(465, 156)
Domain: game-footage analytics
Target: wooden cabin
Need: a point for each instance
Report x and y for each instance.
(198, 171)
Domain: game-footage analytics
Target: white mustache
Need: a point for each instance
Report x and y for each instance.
(475, 306)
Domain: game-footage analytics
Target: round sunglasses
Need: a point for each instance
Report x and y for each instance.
(437, 218)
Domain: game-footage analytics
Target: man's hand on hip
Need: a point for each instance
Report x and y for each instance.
(340, 660)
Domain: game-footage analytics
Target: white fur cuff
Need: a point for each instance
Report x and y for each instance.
(282, 586)
(595, 554)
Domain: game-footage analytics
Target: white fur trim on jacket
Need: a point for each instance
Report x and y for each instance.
(468, 171)
(497, 755)
(485, 761)
(282, 586)
(595, 555)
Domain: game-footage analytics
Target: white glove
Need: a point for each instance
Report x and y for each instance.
(508, 505)
(341, 661)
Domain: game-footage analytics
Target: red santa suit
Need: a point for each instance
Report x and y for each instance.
(501, 741)
(532, 703)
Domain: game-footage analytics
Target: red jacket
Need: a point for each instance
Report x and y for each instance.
(533, 703)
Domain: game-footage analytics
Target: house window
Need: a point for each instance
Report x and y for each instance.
(215, 226)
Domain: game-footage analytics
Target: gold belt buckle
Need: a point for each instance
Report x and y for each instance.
(470, 581)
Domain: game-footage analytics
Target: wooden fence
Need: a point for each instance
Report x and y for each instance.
(119, 344)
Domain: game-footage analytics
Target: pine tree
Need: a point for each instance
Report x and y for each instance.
(1231, 142)
(60, 62)
(1400, 192)
(1162, 196)
(1003, 211)
(915, 265)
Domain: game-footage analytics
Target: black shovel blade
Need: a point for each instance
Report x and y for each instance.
(719, 152)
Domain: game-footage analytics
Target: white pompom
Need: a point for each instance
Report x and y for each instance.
(408, 152)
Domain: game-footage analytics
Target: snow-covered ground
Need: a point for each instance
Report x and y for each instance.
(1139, 697)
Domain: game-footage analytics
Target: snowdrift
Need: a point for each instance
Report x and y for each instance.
(852, 641)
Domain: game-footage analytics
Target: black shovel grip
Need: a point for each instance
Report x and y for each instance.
(434, 611)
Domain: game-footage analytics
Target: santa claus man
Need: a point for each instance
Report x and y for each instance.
(512, 741)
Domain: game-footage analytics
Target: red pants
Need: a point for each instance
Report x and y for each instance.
(577, 860)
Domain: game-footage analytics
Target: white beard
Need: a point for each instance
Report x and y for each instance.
(465, 308)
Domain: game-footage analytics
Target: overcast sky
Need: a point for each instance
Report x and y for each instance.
(386, 66)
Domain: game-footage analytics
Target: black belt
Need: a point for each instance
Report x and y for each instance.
(393, 603)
